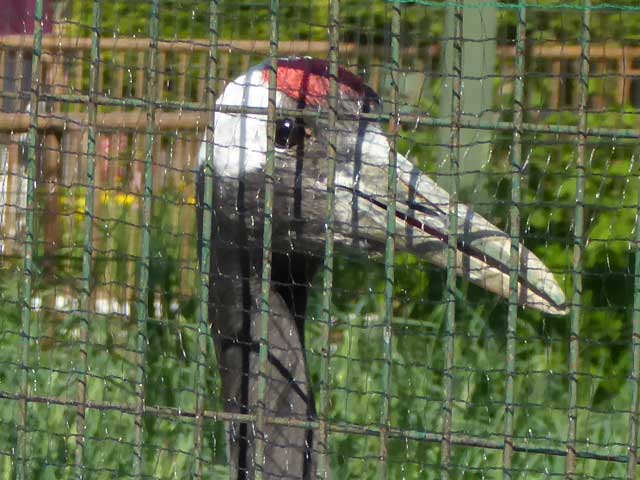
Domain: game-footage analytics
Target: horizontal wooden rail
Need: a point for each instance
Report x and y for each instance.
(19, 122)
(52, 42)
(61, 43)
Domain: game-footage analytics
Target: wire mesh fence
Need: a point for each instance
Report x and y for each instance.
(194, 284)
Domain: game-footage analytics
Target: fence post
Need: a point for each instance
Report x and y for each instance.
(327, 271)
(634, 410)
(265, 307)
(389, 257)
(143, 279)
(478, 32)
(205, 257)
(22, 450)
(87, 253)
(452, 242)
(514, 260)
(578, 246)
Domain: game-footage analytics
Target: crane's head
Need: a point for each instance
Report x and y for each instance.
(362, 155)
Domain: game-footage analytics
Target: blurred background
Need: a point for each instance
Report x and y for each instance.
(72, 307)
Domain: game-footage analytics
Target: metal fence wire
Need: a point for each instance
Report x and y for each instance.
(223, 276)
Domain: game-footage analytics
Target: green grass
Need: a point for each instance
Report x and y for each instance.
(356, 382)
(541, 384)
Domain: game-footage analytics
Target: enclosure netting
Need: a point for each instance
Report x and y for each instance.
(524, 109)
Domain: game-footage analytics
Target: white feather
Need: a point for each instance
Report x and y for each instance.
(240, 141)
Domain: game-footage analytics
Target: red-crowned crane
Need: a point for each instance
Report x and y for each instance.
(299, 212)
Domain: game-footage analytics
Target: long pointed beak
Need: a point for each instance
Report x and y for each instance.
(422, 228)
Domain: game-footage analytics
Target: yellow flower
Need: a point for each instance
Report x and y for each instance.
(125, 199)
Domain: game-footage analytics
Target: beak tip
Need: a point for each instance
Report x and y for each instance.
(558, 310)
(555, 302)
(540, 290)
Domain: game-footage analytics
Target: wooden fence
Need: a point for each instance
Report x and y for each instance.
(182, 66)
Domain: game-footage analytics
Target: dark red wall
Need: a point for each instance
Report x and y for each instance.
(16, 16)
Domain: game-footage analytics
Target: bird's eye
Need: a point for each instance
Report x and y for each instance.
(289, 133)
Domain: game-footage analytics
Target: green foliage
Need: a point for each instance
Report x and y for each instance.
(189, 19)
(248, 19)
